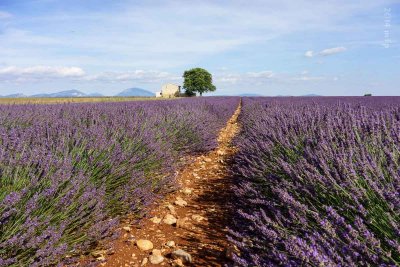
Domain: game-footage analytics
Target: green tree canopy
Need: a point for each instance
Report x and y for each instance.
(197, 80)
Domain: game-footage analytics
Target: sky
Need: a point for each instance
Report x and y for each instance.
(285, 47)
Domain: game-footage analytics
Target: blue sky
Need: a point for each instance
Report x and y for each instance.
(267, 47)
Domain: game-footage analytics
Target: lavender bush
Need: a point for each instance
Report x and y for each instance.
(318, 182)
(69, 171)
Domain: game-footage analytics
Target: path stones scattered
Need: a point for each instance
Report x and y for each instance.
(183, 255)
(127, 228)
(197, 218)
(207, 160)
(182, 222)
(144, 244)
(180, 202)
(170, 244)
(155, 220)
(169, 219)
(144, 262)
(178, 263)
(187, 191)
(221, 152)
(156, 257)
(98, 253)
(171, 209)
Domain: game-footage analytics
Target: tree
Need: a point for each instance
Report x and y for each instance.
(197, 80)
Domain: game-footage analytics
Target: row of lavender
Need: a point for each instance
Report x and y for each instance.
(318, 182)
(69, 171)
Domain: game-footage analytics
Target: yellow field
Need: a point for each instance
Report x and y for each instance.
(54, 100)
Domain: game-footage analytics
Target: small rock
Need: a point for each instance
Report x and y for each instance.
(207, 160)
(178, 263)
(169, 219)
(180, 202)
(131, 239)
(101, 258)
(187, 191)
(127, 228)
(182, 222)
(133, 255)
(171, 209)
(197, 218)
(98, 253)
(183, 255)
(155, 219)
(144, 244)
(156, 257)
(221, 152)
(144, 262)
(170, 244)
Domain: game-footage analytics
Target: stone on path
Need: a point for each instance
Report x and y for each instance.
(180, 202)
(98, 253)
(178, 263)
(144, 262)
(169, 219)
(171, 244)
(187, 191)
(171, 209)
(155, 219)
(127, 228)
(144, 244)
(182, 222)
(207, 159)
(156, 257)
(183, 255)
(197, 218)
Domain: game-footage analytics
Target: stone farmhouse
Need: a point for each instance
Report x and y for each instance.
(169, 90)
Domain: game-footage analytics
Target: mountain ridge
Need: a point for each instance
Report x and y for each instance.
(139, 92)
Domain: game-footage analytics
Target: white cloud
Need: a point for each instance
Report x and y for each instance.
(309, 53)
(41, 73)
(13, 73)
(332, 51)
(309, 78)
(262, 74)
(5, 15)
(196, 32)
(145, 76)
(248, 77)
(326, 52)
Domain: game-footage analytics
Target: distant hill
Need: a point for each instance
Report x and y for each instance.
(14, 95)
(311, 95)
(135, 92)
(250, 94)
(76, 93)
(67, 93)
(94, 94)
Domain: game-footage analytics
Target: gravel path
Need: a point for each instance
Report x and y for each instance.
(189, 226)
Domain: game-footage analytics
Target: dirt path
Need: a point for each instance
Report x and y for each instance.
(200, 229)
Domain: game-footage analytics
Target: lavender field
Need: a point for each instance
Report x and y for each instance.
(318, 182)
(68, 172)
